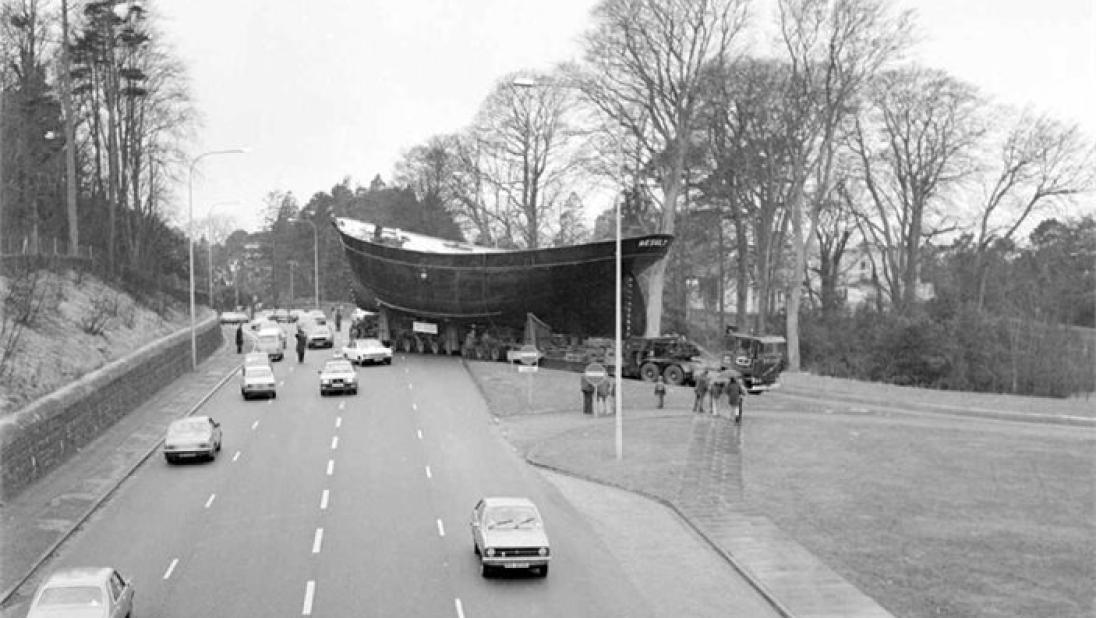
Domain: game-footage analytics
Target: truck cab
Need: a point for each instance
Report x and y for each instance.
(759, 358)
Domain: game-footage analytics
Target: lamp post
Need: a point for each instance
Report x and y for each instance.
(618, 354)
(190, 237)
(315, 259)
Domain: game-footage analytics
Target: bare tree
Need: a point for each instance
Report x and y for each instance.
(912, 144)
(1040, 162)
(835, 47)
(645, 60)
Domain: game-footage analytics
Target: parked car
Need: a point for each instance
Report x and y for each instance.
(83, 592)
(362, 351)
(234, 317)
(338, 376)
(256, 380)
(193, 436)
(508, 533)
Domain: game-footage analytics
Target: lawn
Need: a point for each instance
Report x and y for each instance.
(929, 515)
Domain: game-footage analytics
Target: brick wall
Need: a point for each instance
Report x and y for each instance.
(48, 431)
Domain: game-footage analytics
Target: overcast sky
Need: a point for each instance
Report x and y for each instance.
(322, 90)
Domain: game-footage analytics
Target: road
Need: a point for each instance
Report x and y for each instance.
(349, 506)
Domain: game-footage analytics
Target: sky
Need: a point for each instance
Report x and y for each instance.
(318, 91)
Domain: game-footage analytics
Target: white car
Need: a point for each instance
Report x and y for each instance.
(508, 533)
(193, 436)
(258, 380)
(269, 341)
(83, 592)
(338, 376)
(317, 332)
(362, 351)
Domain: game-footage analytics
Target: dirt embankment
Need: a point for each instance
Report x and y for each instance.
(55, 327)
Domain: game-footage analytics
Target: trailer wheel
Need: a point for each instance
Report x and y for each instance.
(406, 345)
(674, 375)
(649, 372)
(434, 346)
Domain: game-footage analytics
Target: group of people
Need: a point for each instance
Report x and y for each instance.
(712, 385)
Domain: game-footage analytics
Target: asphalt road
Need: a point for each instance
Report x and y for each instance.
(347, 506)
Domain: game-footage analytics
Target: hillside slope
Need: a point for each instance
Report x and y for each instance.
(55, 327)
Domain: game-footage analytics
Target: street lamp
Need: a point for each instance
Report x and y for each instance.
(315, 259)
(618, 356)
(190, 235)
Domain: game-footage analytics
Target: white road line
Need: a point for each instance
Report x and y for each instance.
(317, 541)
(330, 467)
(338, 422)
(171, 568)
(415, 407)
(212, 497)
(428, 475)
(419, 431)
(309, 593)
(335, 443)
(342, 405)
(460, 608)
(255, 424)
(408, 386)
(441, 529)
(236, 456)
(323, 500)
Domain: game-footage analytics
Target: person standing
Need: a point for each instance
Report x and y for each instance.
(715, 389)
(239, 338)
(736, 393)
(302, 343)
(587, 396)
(338, 320)
(701, 391)
(660, 391)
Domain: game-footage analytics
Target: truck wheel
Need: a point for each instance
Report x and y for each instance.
(674, 375)
(649, 372)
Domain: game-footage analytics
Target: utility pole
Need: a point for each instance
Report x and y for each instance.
(70, 135)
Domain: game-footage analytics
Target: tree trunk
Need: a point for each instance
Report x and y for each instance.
(671, 186)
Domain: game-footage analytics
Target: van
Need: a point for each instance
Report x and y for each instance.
(270, 341)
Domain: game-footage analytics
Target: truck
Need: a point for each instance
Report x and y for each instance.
(758, 358)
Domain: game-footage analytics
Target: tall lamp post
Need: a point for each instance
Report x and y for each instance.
(190, 236)
(315, 259)
(618, 355)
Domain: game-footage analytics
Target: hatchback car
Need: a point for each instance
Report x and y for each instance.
(258, 380)
(362, 351)
(338, 376)
(85, 592)
(508, 533)
(318, 333)
(193, 436)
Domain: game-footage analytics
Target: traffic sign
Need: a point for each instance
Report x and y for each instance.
(595, 373)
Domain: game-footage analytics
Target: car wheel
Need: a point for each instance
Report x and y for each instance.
(246, 396)
(212, 454)
(475, 547)
(544, 571)
(486, 570)
(168, 457)
(649, 372)
(674, 375)
(218, 447)
(388, 361)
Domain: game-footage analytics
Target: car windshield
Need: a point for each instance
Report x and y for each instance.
(190, 425)
(71, 595)
(259, 372)
(369, 343)
(517, 517)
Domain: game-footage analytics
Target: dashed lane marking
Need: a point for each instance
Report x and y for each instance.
(428, 475)
(419, 431)
(171, 568)
(236, 456)
(342, 405)
(338, 422)
(309, 593)
(460, 608)
(415, 407)
(441, 529)
(334, 442)
(330, 467)
(209, 502)
(317, 541)
(323, 500)
(255, 424)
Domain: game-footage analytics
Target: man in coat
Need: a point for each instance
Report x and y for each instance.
(239, 338)
(302, 343)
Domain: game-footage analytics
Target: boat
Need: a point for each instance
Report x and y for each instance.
(570, 288)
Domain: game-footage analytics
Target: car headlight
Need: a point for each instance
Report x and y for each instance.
(490, 551)
(543, 551)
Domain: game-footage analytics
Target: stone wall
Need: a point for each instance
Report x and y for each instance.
(48, 431)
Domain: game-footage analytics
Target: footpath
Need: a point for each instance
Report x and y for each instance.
(39, 519)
